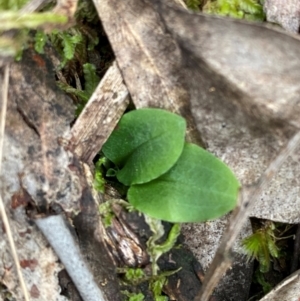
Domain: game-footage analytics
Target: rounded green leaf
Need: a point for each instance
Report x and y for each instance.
(145, 144)
(198, 188)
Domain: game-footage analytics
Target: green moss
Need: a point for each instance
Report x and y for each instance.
(241, 9)
(261, 245)
(193, 4)
(11, 18)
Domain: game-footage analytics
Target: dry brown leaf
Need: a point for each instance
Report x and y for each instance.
(148, 57)
(33, 164)
(39, 172)
(46, 114)
(242, 79)
(245, 99)
(284, 12)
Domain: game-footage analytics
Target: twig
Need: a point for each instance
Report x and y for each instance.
(2, 207)
(101, 114)
(246, 200)
(58, 235)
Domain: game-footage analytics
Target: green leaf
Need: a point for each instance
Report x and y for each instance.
(40, 39)
(251, 7)
(134, 296)
(273, 249)
(69, 44)
(16, 20)
(134, 274)
(193, 4)
(69, 89)
(241, 9)
(111, 172)
(12, 4)
(252, 244)
(91, 78)
(156, 287)
(99, 181)
(137, 297)
(198, 188)
(145, 144)
(260, 278)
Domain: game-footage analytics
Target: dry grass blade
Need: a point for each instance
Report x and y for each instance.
(2, 208)
(247, 199)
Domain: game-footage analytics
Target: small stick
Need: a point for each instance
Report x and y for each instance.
(246, 200)
(101, 114)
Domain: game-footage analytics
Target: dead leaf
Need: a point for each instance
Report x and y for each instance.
(284, 12)
(26, 137)
(37, 173)
(243, 79)
(39, 118)
(148, 57)
(244, 107)
(247, 64)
